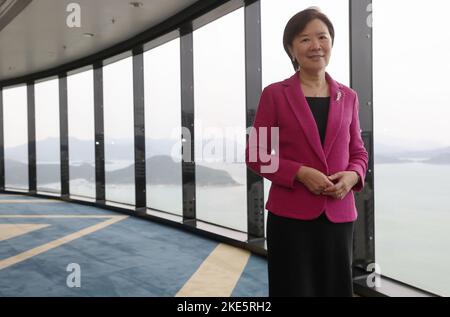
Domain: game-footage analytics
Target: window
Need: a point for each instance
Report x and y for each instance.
(219, 95)
(15, 137)
(119, 131)
(411, 142)
(80, 107)
(48, 174)
(163, 127)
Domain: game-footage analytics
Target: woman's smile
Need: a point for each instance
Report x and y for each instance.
(315, 57)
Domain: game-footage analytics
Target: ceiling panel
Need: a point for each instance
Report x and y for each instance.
(38, 38)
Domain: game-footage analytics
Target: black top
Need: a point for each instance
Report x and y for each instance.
(319, 107)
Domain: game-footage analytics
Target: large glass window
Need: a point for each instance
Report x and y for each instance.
(411, 141)
(276, 65)
(119, 131)
(15, 137)
(80, 107)
(48, 175)
(163, 127)
(219, 90)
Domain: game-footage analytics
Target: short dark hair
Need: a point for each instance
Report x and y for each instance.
(298, 23)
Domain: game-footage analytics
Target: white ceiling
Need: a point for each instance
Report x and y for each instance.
(39, 38)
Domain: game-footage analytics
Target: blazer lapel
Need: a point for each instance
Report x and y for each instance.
(334, 114)
(300, 107)
(304, 116)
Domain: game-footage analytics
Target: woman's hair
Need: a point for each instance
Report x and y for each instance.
(298, 23)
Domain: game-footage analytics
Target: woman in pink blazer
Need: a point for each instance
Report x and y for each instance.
(306, 140)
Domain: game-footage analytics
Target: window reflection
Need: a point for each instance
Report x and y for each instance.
(119, 131)
(48, 176)
(411, 143)
(219, 90)
(80, 107)
(15, 137)
(162, 127)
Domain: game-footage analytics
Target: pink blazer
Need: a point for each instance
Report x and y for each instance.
(284, 105)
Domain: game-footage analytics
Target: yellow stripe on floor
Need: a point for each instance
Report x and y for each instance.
(8, 231)
(58, 242)
(218, 274)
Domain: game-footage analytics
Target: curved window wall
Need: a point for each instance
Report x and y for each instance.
(219, 94)
(119, 131)
(163, 127)
(48, 174)
(219, 74)
(80, 108)
(15, 137)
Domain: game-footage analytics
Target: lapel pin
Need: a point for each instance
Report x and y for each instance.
(338, 96)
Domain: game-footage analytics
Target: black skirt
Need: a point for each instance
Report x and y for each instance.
(309, 258)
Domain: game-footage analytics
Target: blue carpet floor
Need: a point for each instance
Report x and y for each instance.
(133, 257)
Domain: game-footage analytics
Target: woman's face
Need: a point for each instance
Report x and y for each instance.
(312, 47)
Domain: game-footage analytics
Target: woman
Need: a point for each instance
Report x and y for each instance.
(315, 164)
